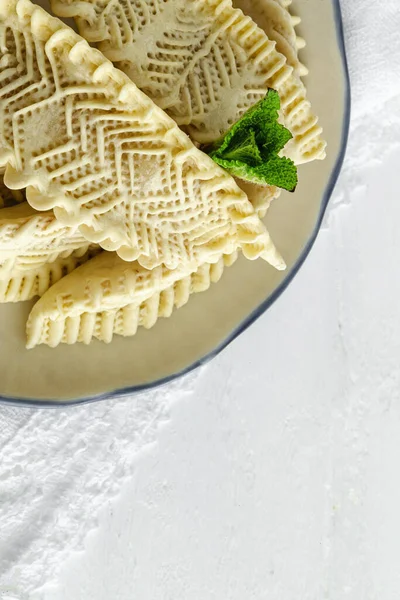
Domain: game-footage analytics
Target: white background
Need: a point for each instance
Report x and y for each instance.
(274, 472)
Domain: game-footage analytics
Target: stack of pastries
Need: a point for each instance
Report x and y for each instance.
(112, 212)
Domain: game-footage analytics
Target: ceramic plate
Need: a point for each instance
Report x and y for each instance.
(211, 320)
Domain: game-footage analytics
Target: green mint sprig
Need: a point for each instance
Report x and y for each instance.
(250, 149)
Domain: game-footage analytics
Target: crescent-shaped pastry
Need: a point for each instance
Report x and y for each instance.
(86, 142)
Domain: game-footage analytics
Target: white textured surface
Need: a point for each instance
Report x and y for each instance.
(276, 477)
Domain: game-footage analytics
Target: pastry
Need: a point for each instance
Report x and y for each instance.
(70, 313)
(273, 17)
(25, 277)
(202, 61)
(86, 142)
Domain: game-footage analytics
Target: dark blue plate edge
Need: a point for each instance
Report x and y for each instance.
(120, 393)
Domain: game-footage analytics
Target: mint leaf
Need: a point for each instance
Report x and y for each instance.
(276, 171)
(250, 148)
(243, 147)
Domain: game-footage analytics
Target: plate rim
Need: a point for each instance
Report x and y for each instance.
(266, 304)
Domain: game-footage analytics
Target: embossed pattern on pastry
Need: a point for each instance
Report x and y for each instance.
(202, 61)
(35, 251)
(84, 141)
(104, 283)
(26, 232)
(25, 277)
(279, 24)
(94, 311)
